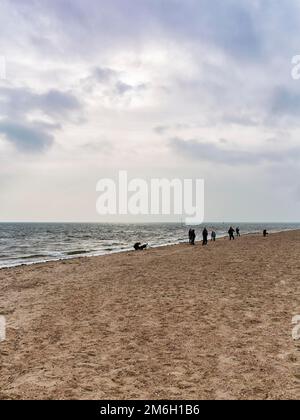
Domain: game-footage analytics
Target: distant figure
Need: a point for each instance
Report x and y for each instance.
(213, 236)
(231, 233)
(205, 237)
(237, 230)
(190, 235)
(265, 233)
(193, 237)
(138, 247)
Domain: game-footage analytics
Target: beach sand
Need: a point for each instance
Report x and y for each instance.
(176, 322)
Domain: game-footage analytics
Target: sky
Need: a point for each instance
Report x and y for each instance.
(159, 88)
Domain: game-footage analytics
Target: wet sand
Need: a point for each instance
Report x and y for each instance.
(174, 322)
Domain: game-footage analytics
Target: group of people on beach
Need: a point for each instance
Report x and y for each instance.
(231, 233)
(213, 235)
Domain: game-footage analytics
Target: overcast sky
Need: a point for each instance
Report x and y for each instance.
(161, 88)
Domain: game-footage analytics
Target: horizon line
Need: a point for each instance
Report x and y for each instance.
(144, 223)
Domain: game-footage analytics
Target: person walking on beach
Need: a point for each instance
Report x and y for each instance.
(237, 230)
(205, 237)
(265, 233)
(213, 236)
(231, 233)
(192, 236)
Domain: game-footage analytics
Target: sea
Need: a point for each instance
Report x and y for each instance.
(31, 243)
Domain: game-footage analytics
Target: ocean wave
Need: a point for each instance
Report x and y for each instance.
(79, 252)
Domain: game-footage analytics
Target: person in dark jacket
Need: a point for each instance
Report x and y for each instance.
(190, 235)
(205, 237)
(231, 233)
(139, 247)
(193, 237)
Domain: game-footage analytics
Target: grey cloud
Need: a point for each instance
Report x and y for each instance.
(109, 82)
(99, 75)
(123, 88)
(32, 137)
(16, 126)
(54, 103)
(231, 25)
(104, 74)
(241, 30)
(209, 152)
(83, 28)
(286, 102)
(161, 129)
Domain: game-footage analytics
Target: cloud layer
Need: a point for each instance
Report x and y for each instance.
(149, 86)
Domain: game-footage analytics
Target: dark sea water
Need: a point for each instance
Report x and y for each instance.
(27, 243)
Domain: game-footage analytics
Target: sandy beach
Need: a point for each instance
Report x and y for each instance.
(176, 322)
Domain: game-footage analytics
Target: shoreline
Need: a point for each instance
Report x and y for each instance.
(70, 258)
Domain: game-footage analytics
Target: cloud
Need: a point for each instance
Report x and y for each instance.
(103, 74)
(21, 101)
(233, 26)
(222, 69)
(20, 128)
(123, 88)
(57, 103)
(111, 82)
(161, 129)
(28, 138)
(286, 102)
(210, 152)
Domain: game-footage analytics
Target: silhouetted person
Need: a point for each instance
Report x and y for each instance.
(265, 233)
(205, 237)
(193, 237)
(138, 247)
(213, 236)
(231, 233)
(237, 230)
(190, 235)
